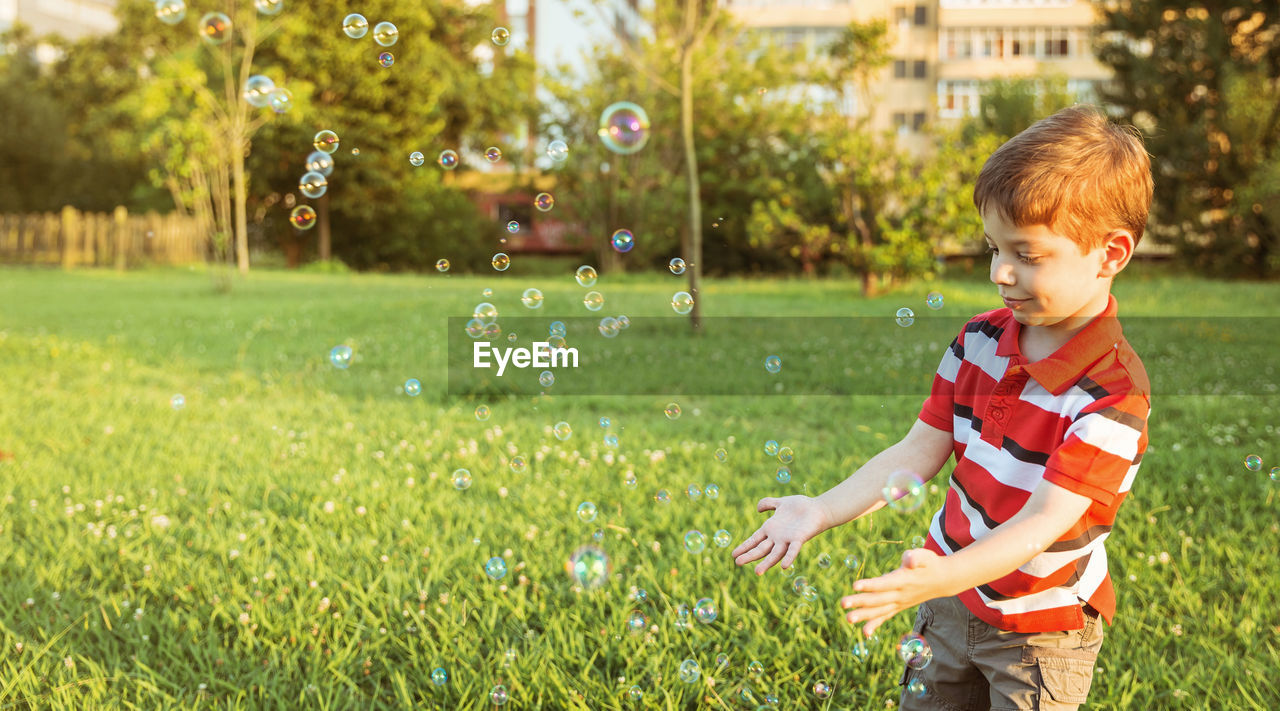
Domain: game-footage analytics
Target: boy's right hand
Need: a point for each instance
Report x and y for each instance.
(796, 519)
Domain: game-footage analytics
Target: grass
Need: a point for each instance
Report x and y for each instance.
(291, 538)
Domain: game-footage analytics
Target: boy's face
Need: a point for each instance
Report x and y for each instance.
(1043, 277)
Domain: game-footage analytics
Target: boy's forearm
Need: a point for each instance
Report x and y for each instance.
(862, 492)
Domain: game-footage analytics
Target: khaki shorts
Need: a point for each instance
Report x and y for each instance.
(977, 666)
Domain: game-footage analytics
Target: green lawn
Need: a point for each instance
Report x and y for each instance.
(292, 538)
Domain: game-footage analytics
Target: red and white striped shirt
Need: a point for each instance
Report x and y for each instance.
(1078, 419)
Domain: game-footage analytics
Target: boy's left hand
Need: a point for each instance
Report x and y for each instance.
(923, 576)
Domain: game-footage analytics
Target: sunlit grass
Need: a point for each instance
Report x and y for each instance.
(291, 537)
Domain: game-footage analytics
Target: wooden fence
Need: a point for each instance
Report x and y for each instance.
(73, 238)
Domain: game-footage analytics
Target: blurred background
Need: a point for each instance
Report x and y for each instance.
(817, 137)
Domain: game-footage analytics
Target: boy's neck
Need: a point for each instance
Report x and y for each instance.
(1039, 342)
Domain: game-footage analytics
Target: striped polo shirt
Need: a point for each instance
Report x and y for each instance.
(1078, 419)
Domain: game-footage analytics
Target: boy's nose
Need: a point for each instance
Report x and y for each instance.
(1001, 273)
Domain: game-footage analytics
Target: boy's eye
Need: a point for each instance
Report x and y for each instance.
(1028, 259)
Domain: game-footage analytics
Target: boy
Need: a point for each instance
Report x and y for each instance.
(1044, 405)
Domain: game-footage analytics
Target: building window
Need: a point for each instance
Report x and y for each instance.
(899, 69)
(922, 15)
(900, 14)
(917, 121)
(918, 69)
(899, 119)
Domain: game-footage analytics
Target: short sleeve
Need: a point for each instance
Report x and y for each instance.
(938, 409)
(1100, 453)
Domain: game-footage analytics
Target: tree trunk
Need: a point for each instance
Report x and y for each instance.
(238, 141)
(694, 251)
(324, 245)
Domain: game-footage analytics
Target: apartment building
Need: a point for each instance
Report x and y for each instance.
(943, 51)
(71, 19)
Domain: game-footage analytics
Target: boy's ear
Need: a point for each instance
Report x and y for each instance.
(1117, 250)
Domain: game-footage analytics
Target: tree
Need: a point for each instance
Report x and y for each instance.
(1009, 106)
(1202, 81)
(34, 131)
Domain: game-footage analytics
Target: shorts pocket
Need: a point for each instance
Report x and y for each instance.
(924, 617)
(1064, 679)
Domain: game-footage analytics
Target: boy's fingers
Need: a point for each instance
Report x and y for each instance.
(772, 558)
(756, 553)
(768, 503)
(873, 613)
(793, 550)
(748, 544)
(867, 600)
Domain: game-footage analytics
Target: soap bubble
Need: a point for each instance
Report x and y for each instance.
(704, 610)
(635, 693)
(586, 512)
(355, 151)
(385, 34)
(412, 387)
(257, 88)
(917, 541)
(672, 411)
(662, 496)
(755, 669)
(722, 538)
(448, 159)
(630, 480)
(439, 676)
(682, 302)
(773, 364)
(905, 317)
(320, 162)
(461, 479)
(313, 184)
(785, 455)
(824, 560)
(721, 454)
(851, 562)
(544, 202)
(586, 275)
(498, 695)
(676, 266)
(689, 671)
(722, 660)
(558, 151)
(821, 689)
(215, 28)
(486, 312)
(604, 422)
(269, 7)
(171, 12)
(500, 36)
(594, 301)
(695, 542)
(513, 227)
(712, 491)
(325, 141)
(933, 300)
(1253, 463)
(178, 401)
(475, 328)
(500, 261)
(904, 491)
(557, 328)
(783, 475)
(589, 567)
(546, 379)
(340, 357)
(914, 651)
(1275, 473)
(355, 26)
(493, 154)
(563, 431)
(771, 448)
(496, 568)
(624, 127)
(518, 464)
(386, 59)
(303, 217)
(611, 441)
(694, 492)
(482, 412)
(416, 158)
(280, 99)
(442, 265)
(622, 240)
(916, 688)
(860, 651)
(637, 622)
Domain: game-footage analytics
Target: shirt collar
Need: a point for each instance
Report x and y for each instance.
(1066, 365)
